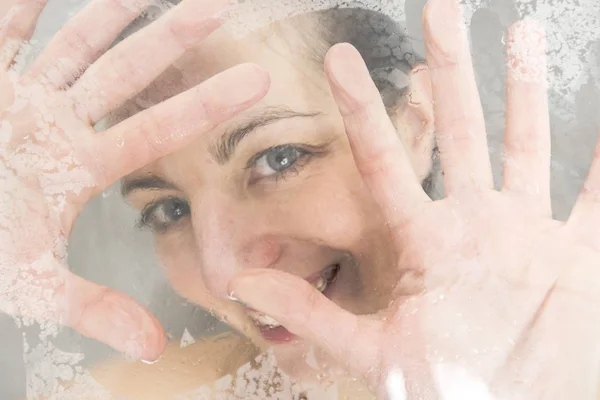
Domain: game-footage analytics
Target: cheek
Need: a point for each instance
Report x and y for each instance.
(177, 255)
(339, 218)
(339, 205)
(178, 258)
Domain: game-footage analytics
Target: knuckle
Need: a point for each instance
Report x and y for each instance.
(179, 31)
(365, 109)
(523, 145)
(444, 62)
(462, 125)
(14, 30)
(376, 162)
(152, 133)
(125, 75)
(76, 41)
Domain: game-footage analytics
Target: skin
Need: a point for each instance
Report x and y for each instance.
(38, 220)
(509, 295)
(199, 365)
(302, 243)
(297, 221)
(254, 218)
(537, 273)
(494, 256)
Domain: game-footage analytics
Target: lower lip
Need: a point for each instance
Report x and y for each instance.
(276, 335)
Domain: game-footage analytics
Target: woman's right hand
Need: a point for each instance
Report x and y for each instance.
(52, 160)
(496, 298)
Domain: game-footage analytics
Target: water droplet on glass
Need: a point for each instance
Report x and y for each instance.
(186, 339)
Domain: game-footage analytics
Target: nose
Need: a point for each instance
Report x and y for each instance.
(232, 235)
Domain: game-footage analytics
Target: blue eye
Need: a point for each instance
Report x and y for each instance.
(163, 214)
(277, 160)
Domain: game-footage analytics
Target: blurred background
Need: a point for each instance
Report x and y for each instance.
(106, 247)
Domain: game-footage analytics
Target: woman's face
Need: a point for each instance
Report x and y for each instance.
(275, 187)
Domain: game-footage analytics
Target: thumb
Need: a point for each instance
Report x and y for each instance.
(113, 318)
(353, 341)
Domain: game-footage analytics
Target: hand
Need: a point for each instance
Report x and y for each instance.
(52, 160)
(508, 297)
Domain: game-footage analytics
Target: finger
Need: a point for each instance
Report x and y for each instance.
(459, 121)
(113, 318)
(83, 39)
(170, 125)
(16, 27)
(378, 152)
(586, 213)
(133, 64)
(47, 292)
(527, 137)
(304, 311)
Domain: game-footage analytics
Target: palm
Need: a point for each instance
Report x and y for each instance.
(495, 297)
(45, 157)
(44, 179)
(493, 285)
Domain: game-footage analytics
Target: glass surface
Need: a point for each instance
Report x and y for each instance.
(299, 200)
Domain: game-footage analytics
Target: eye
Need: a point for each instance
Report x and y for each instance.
(276, 160)
(164, 214)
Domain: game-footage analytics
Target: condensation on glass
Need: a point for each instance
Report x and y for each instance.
(144, 165)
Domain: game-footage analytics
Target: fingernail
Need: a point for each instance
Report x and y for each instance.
(131, 330)
(526, 52)
(349, 73)
(231, 296)
(133, 349)
(444, 24)
(151, 362)
(264, 292)
(191, 24)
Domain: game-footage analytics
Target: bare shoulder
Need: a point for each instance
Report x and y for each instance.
(179, 369)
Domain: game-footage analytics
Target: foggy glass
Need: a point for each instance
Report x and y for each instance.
(107, 247)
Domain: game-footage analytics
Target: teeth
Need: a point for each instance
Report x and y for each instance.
(320, 284)
(266, 320)
(330, 273)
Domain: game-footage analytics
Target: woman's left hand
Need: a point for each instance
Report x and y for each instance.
(509, 299)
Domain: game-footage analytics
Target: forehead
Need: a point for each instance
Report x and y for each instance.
(297, 82)
(296, 79)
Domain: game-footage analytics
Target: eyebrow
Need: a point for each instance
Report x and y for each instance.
(225, 147)
(228, 142)
(151, 182)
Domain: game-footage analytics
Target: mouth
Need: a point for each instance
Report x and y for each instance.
(271, 330)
